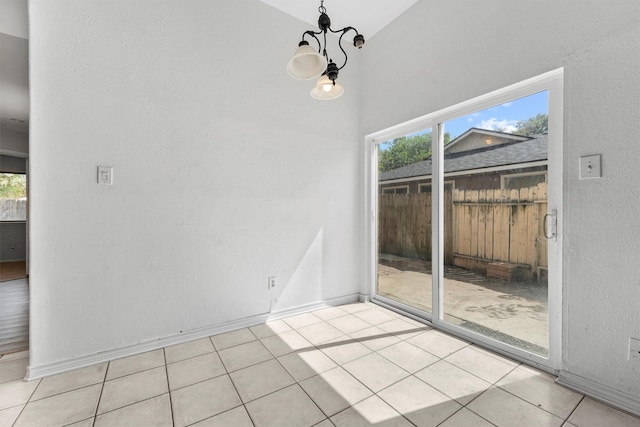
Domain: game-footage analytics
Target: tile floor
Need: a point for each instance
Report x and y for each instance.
(353, 365)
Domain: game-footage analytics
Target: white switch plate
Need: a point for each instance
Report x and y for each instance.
(590, 167)
(105, 175)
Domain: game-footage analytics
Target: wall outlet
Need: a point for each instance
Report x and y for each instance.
(272, 282)
(105, 175)
(634, 349)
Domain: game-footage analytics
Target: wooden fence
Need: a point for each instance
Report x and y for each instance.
(481, 226)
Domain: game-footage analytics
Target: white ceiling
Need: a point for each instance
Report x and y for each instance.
(367, 16)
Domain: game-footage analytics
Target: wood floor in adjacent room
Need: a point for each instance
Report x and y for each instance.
(14, 316)
(12, 270)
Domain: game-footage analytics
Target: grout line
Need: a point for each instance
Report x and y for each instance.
(166, 371)
(575, 409)
(104, 380)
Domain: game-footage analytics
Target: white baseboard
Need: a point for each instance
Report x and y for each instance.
(624, 401)
(278, 314)
(35, 372)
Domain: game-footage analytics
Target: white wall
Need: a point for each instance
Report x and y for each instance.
(226, 172)
(440, 53)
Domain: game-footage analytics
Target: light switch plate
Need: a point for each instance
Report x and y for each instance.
(590, 167)
(105, 175)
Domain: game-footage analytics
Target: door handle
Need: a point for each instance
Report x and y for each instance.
(550, 225)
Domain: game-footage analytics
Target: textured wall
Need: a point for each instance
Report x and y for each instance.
(190, 103)
(441, 53)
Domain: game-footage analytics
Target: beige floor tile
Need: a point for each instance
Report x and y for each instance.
(301, 320)
(13, 369)
(506, 410)
(203, 400)
(465, 418)
(233, 338)
(330, 313)
(61, 409)
(591, 413)
(537, 373)
(190, 371)
(244, 355)
(349, 324)
(420, 403)
(84, 423)
(375, 338)
(356, 307)
(153, 412)
(375, 371)
(133, 389)
(456, 383)
(344, 349)
(374, 316)
(285, 343)
(325, 423)
(186, 350)
(568, 424)
(335, 390)
(370, 412)
(16, 392)
(481, 364)
(8, 416)
(134, 364)
(270, 328)
(402, 328)
(551, 397)
(71, 380)
(438, 343)
(408, 357)
(289, 407)
(261, 379)
(319, 332)
(236, 417)
(306, 364)
(14, 356)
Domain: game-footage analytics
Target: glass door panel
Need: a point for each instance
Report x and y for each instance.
(404, 220)
(495, 201)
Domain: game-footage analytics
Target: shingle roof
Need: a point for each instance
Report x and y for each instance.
(511, 153)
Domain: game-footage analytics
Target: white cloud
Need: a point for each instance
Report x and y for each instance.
(507, 104)
(470, 119)
(494, 124)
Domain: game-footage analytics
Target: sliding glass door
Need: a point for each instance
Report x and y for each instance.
(466, 224)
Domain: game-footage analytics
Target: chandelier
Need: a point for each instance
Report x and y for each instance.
(307, 63)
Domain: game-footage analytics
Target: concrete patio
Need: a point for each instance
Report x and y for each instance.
(512, 312)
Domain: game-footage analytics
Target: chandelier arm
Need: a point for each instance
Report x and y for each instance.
(342, 49)
(313, 34)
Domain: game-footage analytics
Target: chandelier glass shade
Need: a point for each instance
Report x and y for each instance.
(308, 63)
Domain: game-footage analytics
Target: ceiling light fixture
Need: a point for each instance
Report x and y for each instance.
(308, 64)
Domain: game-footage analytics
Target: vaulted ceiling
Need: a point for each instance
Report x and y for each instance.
(367, 16)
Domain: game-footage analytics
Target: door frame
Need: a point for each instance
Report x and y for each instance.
(553, 82)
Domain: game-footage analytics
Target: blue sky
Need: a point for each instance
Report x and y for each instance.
(505, 116)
